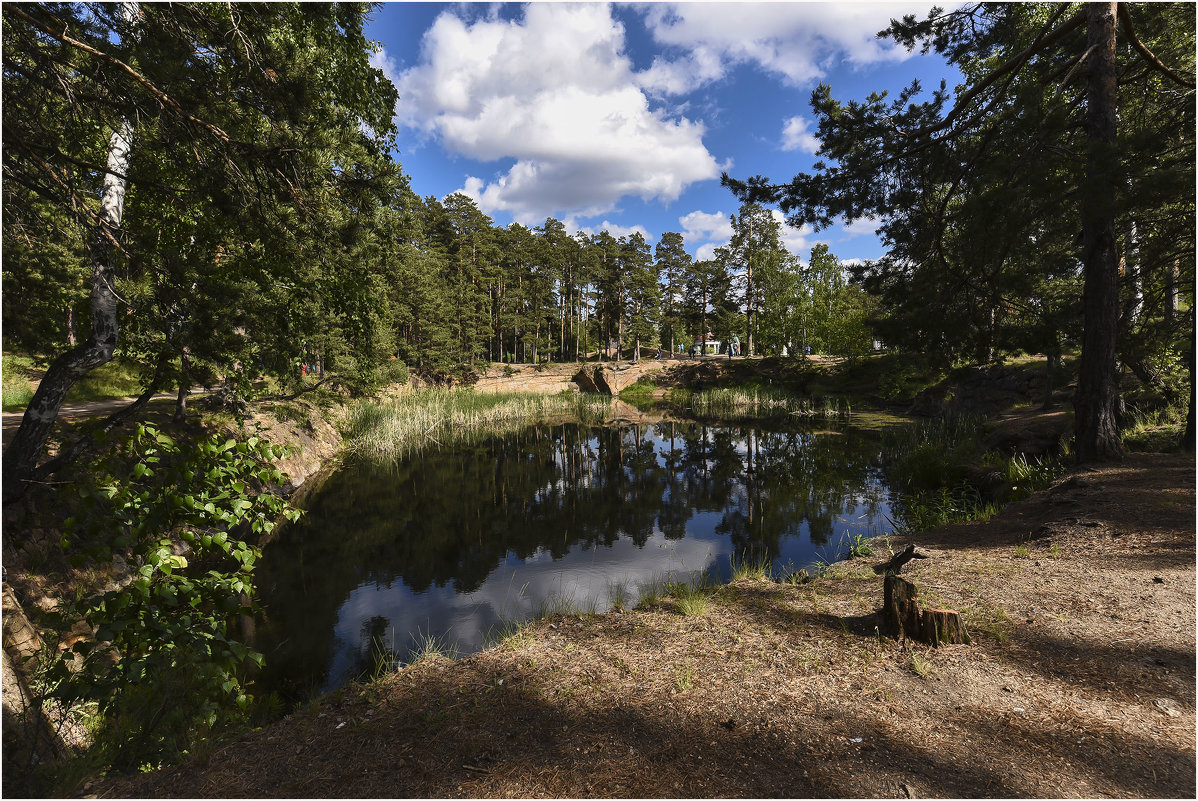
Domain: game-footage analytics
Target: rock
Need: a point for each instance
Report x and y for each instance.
(1168, 707)
(603, 380)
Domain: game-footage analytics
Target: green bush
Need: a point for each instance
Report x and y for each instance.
(163, 667)
(395, 372)
(18, 387)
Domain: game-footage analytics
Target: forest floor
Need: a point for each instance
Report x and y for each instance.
(1079, 682)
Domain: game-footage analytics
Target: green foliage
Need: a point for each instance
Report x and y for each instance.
(164, 666)
(980, 194)
(1157, 431)
(859, 546)
(760, 568)
(948, 478)
(395, 372)
(18, 386)
(120, 378)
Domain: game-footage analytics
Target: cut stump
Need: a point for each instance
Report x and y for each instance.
(904, 619)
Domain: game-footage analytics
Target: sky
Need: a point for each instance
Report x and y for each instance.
(621, 117)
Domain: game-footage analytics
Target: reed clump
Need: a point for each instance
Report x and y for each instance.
(390, 429)
(764, 402)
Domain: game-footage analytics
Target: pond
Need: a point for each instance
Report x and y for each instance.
(454, 543)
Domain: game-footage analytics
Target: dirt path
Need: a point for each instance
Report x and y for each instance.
(1079, 683)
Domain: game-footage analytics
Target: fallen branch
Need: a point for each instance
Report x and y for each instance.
(302, 391)
(895, 565)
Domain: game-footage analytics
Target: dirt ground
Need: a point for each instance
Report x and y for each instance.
(1080, 682)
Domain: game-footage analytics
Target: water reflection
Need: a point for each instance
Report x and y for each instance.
(455, 542)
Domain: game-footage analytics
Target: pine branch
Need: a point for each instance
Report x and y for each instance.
(1147, 54)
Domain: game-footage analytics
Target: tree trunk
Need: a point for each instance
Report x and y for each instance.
(27, 444)
(1173, 291)
(184, 380)
(749, 310)
(1187, 442)
(1096, 430)
(1052, 362)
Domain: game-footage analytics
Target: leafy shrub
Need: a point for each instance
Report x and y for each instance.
(395, 372)
(163, 668)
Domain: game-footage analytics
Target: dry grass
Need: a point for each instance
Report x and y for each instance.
(408, 422)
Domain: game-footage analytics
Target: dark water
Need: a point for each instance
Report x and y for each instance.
(453, 543)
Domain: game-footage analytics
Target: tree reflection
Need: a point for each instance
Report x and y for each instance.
(451, 518)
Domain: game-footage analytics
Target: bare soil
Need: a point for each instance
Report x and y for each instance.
(1079, 682)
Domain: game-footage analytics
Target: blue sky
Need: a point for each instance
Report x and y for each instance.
(621, 116)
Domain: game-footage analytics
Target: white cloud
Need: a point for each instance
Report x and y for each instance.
(796, 135)
(614, 229)
(555, 92)
(796, 240)
(700, 225)
(793, 40)
(704, 232)
(861, 227)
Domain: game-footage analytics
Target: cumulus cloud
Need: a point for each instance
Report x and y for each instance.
(700, 225)
(792, 40)
(704, 232)
(554, 91)
(796, 240)
(614, 229)
(797, 135)
(861, 227)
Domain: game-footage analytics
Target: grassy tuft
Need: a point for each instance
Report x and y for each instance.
(741, 402)
(429, 646)
(922, 667)
(397, 427)
(747, 567)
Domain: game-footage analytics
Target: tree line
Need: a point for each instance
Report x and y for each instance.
(1047, 203)
(209, 192)
(210, 189)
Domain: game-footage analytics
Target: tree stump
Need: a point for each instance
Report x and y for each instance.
(903, 618)
(942, 626)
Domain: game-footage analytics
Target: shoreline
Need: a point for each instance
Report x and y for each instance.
(1073, 686)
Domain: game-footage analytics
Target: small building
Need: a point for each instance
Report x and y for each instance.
(710, 346)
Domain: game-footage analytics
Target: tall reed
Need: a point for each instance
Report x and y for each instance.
(405, 424)
(764, 402)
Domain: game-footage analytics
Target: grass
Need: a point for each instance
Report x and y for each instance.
(740, 402)
(118, 378)
(400, 426)
(747, 567)
(18, 386)
(429, 646)
(1154, 431)
(922, 667)
(996, 624)
(692, 598)
(640, 392)
(947, 477)
(685, 679)
(617, 595)
(859, 546)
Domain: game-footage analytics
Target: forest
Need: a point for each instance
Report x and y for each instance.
(214, 208)
(213, 197)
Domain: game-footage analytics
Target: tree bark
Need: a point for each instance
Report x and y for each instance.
(30, 440)
(184, 380)
(1096, 430)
